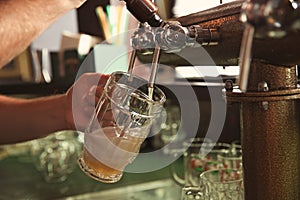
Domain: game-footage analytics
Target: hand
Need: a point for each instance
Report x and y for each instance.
(82, 99)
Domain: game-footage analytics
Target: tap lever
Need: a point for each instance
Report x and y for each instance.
(154, 67)
(131, 61)
(173, 37)
(144, 11)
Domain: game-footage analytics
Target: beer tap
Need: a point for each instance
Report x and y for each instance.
(264, 18)
(173, 37)
(144, 11)
(170, 36)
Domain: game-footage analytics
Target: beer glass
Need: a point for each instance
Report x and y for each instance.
(191, 193)
(231, 160)
(121, 122)
(222, 184)
(200, 155)
(55, 155)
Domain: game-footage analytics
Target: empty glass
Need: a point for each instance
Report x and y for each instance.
(55, 155)
(201, 155)
(121, 122)
(192, 161)
(210, 155)
(231, 159)
(222, 184)
(191, 193)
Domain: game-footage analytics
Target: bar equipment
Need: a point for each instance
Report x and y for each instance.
(263, 37)
(271, 151)
(144, 11)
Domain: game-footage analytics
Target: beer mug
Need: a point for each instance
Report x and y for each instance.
(200, 155)
(222, 184)
(55, 156)
(191, 193)
(121, 122)
(231, 159)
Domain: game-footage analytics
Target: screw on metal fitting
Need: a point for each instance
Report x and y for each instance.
(263, 86)
(265, 105)
(229, 85)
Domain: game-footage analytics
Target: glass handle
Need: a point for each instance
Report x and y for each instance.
(178, 180)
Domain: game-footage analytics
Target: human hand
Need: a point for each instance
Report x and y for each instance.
(82, 99)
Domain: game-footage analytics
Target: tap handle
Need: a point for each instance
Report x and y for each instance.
(144, 11)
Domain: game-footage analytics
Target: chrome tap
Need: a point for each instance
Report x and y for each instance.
(272, 18)
(173, 37)
(265, 18)
(169, 36)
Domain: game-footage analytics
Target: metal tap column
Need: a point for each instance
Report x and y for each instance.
(270, 127)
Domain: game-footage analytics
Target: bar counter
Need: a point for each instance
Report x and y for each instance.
(21, 180)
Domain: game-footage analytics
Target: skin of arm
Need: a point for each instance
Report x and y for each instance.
(27, 119)
(21, 21)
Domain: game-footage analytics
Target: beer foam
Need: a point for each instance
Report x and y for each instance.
(115, 152)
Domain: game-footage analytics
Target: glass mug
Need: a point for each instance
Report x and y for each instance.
(191, 193)
(55, 155)
(200, 155)
(222, 184)
(121, 122)
(231, 160)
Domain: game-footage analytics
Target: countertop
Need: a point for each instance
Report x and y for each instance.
(21, 180)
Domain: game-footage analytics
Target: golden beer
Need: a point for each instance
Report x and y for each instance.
(119, 150)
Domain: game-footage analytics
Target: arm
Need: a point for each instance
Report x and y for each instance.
(21, 21)
(26, 119)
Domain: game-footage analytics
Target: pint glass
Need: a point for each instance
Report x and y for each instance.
(121, 122)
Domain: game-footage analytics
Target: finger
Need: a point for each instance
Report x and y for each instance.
(88, 110)
(98, 91)
(89, 97)
(108, 116)
(103, 79)
(94, 94)
(106, 123)
(96, 78)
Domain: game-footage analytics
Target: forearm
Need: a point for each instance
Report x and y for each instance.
(21, 21)
(24, 119)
